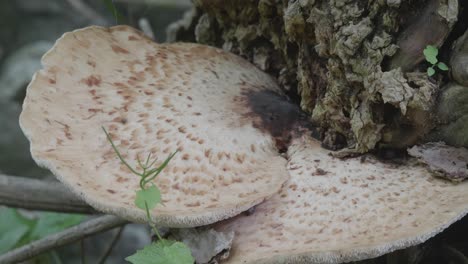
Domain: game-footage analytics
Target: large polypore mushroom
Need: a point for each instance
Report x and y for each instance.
(152, 99)
(229, 121)
(334, 211)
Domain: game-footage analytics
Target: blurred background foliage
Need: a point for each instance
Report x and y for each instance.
(27, 30)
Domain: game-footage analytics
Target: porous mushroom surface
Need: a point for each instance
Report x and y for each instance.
(334, 211)
(152, 98)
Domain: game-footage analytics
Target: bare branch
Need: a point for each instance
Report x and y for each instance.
(116, 238)
(40, 195)
(73, 234)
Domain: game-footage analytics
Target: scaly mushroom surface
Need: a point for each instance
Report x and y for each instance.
(152, 98)
(334, 211)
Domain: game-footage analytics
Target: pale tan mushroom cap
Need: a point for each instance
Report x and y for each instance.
(334, 211)
(152, 98)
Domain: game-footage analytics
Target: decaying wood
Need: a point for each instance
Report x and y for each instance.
(352, 66)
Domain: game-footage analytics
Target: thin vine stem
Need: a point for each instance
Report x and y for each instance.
(119, 155)
(147, 176)
(150, 222)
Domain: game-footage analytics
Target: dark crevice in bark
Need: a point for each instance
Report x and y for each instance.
(458, 30)
(278, 116)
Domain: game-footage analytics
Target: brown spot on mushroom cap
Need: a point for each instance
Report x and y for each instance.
(118, 49)
(92, 80)
(224, 166)
(355, 211)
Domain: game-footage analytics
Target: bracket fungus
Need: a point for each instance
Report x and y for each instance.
(334, 211)
(152, 98)
(230, 122)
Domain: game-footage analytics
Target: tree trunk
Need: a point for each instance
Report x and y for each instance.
(355, 66)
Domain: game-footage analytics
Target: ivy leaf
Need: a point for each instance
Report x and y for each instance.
(163, 252)
(12, 229)
(430, 71)
(150, 197)
(17, 230)
(50, 223)
(431, 52)
(442, 66)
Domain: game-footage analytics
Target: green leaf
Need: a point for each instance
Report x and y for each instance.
(430, 71)
(163, 252)
(431, 52)
(432, 60)
(47, 258)
(442, 66)
(17, 230)
(150, 197)
(50, 223)
(12, 229)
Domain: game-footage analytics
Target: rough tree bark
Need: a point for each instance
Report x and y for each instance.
(356, 66)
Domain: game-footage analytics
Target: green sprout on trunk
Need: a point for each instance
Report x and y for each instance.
(430, 53)
(148, 197)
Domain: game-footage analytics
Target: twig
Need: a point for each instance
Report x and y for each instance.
(111, 246)
(73, 234)
(82, 251)
(40, 195)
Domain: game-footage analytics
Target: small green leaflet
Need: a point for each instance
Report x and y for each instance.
(163, 252)
(150, 197)
(442, 66)
(430, 71)
(431, 52)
